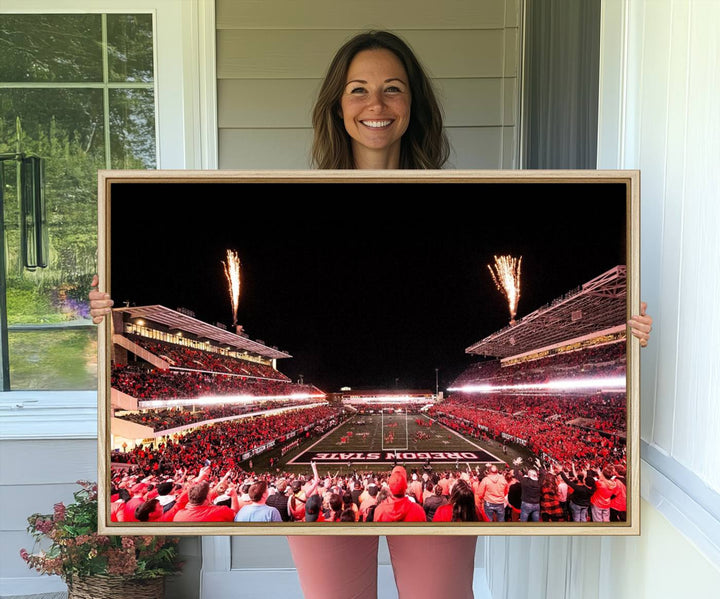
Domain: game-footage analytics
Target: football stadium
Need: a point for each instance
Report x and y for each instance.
(540, 408)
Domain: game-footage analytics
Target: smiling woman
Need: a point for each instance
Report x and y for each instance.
(377, 109)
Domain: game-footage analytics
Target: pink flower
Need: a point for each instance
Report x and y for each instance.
(59, 509)
(44, 526)
(128, 543)
(121, 562)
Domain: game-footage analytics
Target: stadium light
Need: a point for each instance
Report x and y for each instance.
(614, 383)
(214, 400)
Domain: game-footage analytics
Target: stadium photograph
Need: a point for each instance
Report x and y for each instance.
(372, 354)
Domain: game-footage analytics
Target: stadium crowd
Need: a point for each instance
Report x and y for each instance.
(169, 418)
(182, 356)
(523, 493)
(604, 360)
(146, 383)
(569, 427)
(554, 437)
(205, 474)
(224, 443)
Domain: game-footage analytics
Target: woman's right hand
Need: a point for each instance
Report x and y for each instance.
(100, 302)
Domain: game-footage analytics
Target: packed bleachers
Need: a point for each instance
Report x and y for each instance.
(144, 383)
(224, 443)
(196, 373)
(564, 427)
(169, 418)
(571, 436)
(603, 360)
(181, 356)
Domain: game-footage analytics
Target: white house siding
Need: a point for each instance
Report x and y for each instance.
(271, 58)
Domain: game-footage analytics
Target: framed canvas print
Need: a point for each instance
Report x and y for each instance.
(362, 352)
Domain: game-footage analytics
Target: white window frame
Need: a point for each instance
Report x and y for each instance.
(186, 136)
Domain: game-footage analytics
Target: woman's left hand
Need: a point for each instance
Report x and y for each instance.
(641, 325)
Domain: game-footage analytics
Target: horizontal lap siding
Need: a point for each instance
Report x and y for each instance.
(271, 60)
(353, 14)
(35, 475)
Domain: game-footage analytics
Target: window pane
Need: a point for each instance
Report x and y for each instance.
(65, 128)
(54, 359)
(132, 128)
(130, 47)
(50, 118)
(42, 48)
(52, 342)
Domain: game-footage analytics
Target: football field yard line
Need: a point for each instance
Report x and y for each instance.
(320, 440)
(467, 440)
(300, 458)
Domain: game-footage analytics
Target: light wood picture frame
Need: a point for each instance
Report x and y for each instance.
(455, 383)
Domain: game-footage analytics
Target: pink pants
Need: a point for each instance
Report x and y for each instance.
(334, 567)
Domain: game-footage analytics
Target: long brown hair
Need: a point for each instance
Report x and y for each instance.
(462, 500)
(424, 144)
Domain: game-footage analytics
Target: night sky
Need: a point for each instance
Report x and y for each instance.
(369, 285)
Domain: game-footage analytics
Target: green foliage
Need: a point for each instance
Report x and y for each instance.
(77, 550)
(26, 303)
(71, 197)
(66, 126)
(54, 359)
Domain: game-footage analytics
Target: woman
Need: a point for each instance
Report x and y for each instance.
(377, 110)
(349, 504)
(296, 503)
(335, 504)
(462, 507)
(434, 501)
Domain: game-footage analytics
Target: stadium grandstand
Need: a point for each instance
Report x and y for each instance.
(172, 373)
(554, 382)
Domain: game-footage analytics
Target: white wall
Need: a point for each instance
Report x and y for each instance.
(659, 93)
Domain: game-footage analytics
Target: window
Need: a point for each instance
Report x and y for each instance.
(77, 91)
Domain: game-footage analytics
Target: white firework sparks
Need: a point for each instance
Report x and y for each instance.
(232, 274)
(506, 276)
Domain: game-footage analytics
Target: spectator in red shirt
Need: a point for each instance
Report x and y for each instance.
(399, 507)
(199, 509)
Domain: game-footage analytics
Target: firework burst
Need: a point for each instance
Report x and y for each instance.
(232, 274)
(506, 276)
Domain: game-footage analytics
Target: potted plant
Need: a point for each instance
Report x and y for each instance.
(94, 565)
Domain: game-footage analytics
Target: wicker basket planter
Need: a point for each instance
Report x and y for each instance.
(116, 587)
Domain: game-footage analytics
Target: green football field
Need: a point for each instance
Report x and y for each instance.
(375, 441)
